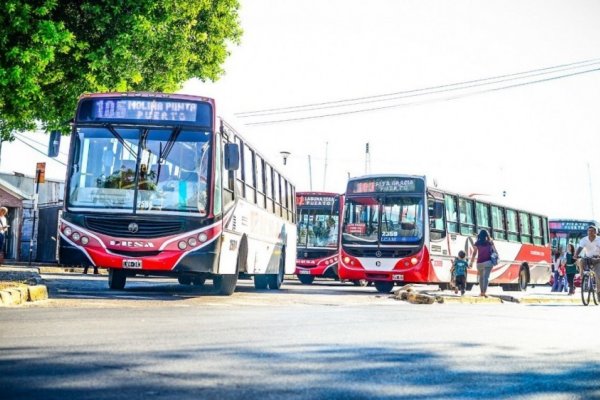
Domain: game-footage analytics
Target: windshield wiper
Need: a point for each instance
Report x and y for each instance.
(162, 157)
(120, 139)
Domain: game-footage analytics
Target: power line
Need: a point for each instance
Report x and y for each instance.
(41, 152)
(367, 99)
(36, 142)
(427, 91)
(424, 101)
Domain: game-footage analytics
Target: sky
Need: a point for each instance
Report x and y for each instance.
(538, 143)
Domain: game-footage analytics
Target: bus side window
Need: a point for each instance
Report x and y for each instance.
(536, 230)
(436, 222)
(467, 220)
(451, 214)
(525, 227)
(498, 223)
(511, 225)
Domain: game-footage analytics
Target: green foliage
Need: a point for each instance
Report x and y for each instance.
(52, 51)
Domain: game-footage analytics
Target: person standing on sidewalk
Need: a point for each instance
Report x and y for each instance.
(3, 230)
(482, 251)
(570, 267)
(556, 260)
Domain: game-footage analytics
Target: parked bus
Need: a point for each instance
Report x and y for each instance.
(565, 231)
(158, 185)
(397, 230)
(318, 235)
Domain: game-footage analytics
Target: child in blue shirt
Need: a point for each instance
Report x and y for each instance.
(459, 272)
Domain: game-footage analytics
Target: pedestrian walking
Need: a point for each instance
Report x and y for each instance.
(571, 267)
(459, 273)
(85, 269)
(484, 252)
(556, 260)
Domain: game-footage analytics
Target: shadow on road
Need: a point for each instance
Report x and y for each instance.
(317, 371)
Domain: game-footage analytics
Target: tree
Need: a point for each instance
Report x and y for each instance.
(52, 51)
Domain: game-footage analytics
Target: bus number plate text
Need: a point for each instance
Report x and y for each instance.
(133, 264)
(398, 277)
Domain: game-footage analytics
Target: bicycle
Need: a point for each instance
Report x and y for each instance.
(588, 283)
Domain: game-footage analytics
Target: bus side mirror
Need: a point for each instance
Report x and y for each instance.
(232, 156)
(438, 210)
(54, 144)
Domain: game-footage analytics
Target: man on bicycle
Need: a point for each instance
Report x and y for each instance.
(591, 244)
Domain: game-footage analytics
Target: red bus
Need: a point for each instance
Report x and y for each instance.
(397, 230)
(158, 185)
(318, 219)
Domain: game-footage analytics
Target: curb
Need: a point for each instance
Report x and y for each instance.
(73, 270)
(20, 294)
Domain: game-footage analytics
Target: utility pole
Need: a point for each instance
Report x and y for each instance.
(367, 160)
(40, 177)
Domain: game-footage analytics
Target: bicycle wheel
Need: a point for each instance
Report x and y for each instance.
(585, 289)
(594, 288)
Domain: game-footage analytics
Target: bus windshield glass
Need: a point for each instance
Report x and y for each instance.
(318, 228)
(383, 220)
(150, 170)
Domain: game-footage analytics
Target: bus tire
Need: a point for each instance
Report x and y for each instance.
(225, 284)
(184, 280)
(276, 280)
(116, 279)
(384, 287)
(260, 282)
(198, 280)
(521, 286)
(306, 279)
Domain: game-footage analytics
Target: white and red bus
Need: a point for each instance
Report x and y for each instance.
(318, 219)
(397, 230)
(157, 184)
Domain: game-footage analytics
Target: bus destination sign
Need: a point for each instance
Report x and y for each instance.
(326, 201)
(571, 225)
(384, 185)
(140, 109)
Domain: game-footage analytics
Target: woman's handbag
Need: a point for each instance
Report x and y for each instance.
(494, 256)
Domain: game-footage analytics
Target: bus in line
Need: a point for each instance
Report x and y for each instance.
(396, 229)
(157, 184)
(318, 235)
(565, 231)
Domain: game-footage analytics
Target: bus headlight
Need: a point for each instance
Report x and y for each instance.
(414, 261)
(182, 245)
(67, 231)
(202, 237)
(76, 236)
(84, 240)
(192, 242)
(346, 260)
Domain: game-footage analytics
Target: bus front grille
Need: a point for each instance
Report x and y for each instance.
(120, 227)
(377, 253)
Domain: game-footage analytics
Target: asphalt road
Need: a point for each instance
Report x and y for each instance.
(161, 340)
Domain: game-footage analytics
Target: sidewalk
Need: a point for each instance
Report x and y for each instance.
(21, 284)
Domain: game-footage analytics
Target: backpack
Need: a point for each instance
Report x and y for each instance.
(494, 255)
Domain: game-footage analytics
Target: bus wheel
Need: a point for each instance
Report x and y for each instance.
(260, 282)
(275, 280)
(184, 280)
(384, 287)
(360, 282)
(523, 280)
(306, 279)
(199, 280)
(116, 279)
(225, 284)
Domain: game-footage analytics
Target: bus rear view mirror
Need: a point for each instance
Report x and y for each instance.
(438, 210)
(54, 144)
(232, 156)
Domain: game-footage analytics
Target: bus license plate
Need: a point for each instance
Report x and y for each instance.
(133, 264)
(304, 272)
(398, 277)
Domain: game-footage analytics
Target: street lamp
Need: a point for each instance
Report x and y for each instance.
(285, 155)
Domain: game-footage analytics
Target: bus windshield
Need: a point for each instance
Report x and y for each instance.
(383, 220)
(318, 228)
(171, 174)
